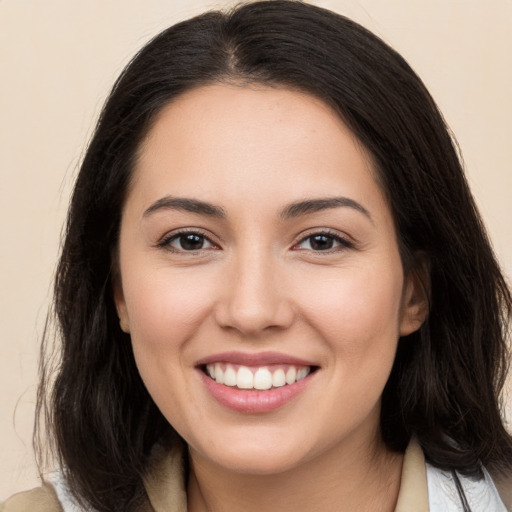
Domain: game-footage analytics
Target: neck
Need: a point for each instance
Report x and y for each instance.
(357, 478)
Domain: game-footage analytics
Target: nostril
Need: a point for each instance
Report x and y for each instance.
(255, 317)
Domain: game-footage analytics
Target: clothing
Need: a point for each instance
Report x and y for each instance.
(481, 494)
(423, 488)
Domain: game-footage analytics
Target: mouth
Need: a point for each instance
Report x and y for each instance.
(259, 378)
(255, 383)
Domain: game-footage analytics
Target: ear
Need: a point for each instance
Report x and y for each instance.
(120, 304)
(415, 298)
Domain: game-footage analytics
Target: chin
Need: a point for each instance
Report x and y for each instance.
(257, 457)
(260, 463)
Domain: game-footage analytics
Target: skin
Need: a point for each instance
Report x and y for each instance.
(258, 284)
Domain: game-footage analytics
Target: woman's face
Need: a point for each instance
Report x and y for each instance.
(261, 279)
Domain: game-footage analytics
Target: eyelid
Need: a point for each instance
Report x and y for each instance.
(164, 241)
(344, 241)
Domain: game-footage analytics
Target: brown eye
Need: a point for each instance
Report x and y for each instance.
(188, 242)
(323, 242)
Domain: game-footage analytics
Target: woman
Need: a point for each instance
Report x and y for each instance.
(275, 290)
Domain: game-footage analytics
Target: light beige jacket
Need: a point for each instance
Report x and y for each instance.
(166, 490)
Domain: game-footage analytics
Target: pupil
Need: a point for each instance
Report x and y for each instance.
(321, 243)
(191, 242)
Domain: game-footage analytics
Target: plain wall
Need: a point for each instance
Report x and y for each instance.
(58, 59)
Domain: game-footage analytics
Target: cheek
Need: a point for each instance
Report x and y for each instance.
(357, 308)
(165, 310)
(165, 306)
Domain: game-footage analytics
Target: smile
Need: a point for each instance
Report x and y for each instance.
(256, 377)
(255, 383)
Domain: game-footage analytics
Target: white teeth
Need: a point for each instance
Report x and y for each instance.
(262, 379)
(230, 376)
(303, 372)
(291, 375)
(244, 378)
(219, 374)
(255, 378)
(278, 378)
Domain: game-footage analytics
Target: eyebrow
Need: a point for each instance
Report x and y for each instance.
(187, 205)
(293, 210)
(317, 205)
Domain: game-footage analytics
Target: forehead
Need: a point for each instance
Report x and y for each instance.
(228, 114)
(228, 141)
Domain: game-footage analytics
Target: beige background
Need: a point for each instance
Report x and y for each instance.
(58, 59)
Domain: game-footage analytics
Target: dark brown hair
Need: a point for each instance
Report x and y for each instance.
(446, 381)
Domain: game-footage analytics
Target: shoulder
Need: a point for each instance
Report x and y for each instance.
(504, 485)
(449, 490)
(53, 496)
(41, 499)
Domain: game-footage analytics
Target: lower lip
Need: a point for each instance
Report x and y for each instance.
(253, 401)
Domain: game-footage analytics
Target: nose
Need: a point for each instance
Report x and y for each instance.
(255, 299)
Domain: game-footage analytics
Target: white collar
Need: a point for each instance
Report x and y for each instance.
(443, 496)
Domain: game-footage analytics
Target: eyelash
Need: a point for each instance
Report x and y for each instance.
(166, 241)
(335, 237)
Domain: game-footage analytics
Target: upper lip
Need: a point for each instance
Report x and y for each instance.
(254, 359)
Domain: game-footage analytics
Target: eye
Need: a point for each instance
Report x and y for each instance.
(323, 242)
(187, 242)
